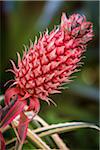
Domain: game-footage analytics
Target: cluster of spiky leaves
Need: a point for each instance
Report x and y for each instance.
(47, 64)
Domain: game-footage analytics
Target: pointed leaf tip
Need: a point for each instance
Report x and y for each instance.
(2, 141)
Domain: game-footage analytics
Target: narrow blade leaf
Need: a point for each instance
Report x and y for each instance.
(12, 113)
(22, 127)
(2, 142)
(22, 130)
(63, 127)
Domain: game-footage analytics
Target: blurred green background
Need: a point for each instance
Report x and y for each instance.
(21, 21)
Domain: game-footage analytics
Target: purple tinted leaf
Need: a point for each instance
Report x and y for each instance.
(22, 127)
(16, 109)
(2, 142)
(9, 93)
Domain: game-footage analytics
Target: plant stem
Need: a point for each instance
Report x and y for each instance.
(55, 137)
(34, 138)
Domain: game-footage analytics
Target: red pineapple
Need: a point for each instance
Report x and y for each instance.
(52, 60)
(49, 62)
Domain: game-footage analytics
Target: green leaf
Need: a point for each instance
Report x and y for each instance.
(63, 127)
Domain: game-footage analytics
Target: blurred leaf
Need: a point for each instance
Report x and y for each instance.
(86, 91)
(58, 141)
(49, 11)
(28, 146)
(63, 127)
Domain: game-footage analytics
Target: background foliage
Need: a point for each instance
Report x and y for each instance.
(21, 21)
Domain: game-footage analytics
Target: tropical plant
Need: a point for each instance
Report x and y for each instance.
(44, 68)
